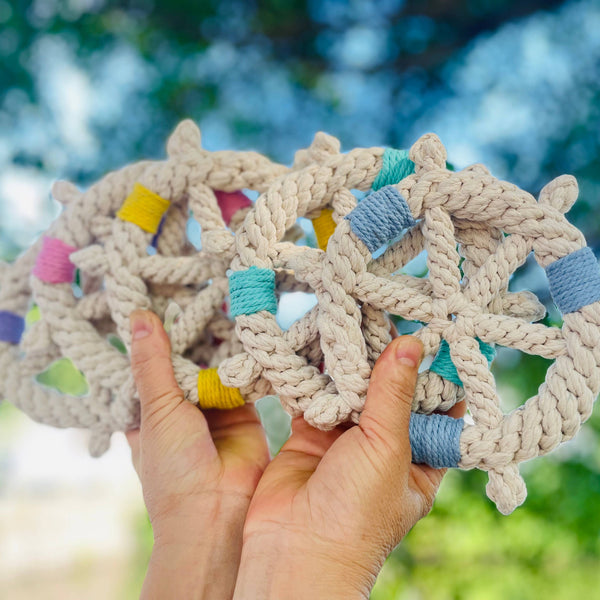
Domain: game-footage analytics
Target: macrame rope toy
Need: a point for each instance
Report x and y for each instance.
(106, 233)
(466, 307)
(124, 241)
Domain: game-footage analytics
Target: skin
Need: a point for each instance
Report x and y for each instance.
(318, 520)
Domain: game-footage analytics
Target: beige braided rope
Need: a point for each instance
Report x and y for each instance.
(474, 209)
(475, 229)
(118, 276)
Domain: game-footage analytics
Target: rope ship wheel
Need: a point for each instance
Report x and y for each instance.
(105, 234)
(476, 230)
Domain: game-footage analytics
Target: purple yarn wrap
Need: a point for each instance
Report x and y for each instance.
(11, 327)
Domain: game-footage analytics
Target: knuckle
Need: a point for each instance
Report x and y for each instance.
(384, 438)
(158, 419)
(147, 367)
(427, 501)
(399, 390)
(142, 363)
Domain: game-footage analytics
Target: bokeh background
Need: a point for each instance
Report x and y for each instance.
(89, 85)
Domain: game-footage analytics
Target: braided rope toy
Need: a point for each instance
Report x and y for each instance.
(475, 229)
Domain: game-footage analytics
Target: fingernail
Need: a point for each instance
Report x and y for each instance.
(141, 324)
(409, 351)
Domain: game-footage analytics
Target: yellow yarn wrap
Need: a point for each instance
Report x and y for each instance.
(324, 226)
(213, 394)
(144, 208)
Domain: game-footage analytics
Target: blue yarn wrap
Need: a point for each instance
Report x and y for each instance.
(380, 217)
(11, 327)
(396, 166)
(574, 280)
(435, 440)
(251, 291)
(442, 363)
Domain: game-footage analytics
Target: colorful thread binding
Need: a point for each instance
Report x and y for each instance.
(324, 226)
(53, 263)
(11, 327)
(213, 394)
(574, 280)
(251, 291)
(144, 208)
(380, 217)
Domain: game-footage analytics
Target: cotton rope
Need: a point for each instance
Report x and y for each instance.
(122, 245)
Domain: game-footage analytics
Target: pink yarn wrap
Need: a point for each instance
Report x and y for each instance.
(53, 264)
(231, 202)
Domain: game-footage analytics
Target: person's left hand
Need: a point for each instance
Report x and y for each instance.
(198, 471)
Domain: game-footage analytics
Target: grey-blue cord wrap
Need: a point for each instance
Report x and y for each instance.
(380, 217)
(435, 440)
(574, 280)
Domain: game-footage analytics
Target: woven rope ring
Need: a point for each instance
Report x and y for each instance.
(495, 225)
(105, 233)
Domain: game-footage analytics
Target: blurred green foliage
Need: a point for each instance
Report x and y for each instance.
(89, 85)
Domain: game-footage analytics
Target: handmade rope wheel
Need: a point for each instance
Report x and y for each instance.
(496, 226)
(270, 352)
(495, 442)
(105, 233)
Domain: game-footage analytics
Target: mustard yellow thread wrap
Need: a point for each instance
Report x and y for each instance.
(144, 208)
(324, 226)
(213, 394)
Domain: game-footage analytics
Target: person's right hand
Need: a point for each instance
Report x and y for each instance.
(332, 505)
(198, 471)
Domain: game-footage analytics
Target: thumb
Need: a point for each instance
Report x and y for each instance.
(152, 368)
(386, 414)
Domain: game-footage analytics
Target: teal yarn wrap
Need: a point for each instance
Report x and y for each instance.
(442, 364)
(396, 166)
(251, 291)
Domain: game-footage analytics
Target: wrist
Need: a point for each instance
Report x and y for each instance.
(196, 551)
(196, 520)
(290, 568)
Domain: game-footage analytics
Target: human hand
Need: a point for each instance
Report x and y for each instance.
(198, 472)
(332, 505)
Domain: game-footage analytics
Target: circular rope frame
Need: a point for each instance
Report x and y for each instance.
(496, 225)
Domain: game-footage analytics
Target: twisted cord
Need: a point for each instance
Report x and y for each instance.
(475, 229)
